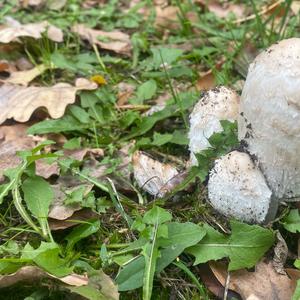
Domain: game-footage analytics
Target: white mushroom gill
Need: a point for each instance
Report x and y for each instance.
(237, 188)
(269, 120)
(218, 104)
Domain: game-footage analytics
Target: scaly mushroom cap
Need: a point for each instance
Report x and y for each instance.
(237, 188)
(269, 118)
(218, 104)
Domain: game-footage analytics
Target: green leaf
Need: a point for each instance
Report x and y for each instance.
(150, 253)
(296, 295)
(47, 256)
(180, 236)
(67, 123)
(145, 91)
(164, 55)
(157, 215)
(161, 139)
(72, 144)
(244, 247)
(11, 265)
(82, 231)
(80, 114)
(292, 221)
(38, 196)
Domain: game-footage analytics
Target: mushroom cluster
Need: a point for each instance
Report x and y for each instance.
(249, 185)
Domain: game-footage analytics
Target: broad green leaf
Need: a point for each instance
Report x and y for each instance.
(244, 247)
(164, 55)
(210, 247)
(72, 144)
(11, 265)
(292, 221)
(47, 256)
(180, 236)
(38, 196)
(145, 91)
(80, 114)
(82, 231)
(66, 123)
(157, 215)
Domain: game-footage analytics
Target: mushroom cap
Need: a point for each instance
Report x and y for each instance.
(237, 188)
(218, 104)
(269, 120)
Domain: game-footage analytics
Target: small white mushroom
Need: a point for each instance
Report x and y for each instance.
(269, 119)
(218, 104)
(237, 188)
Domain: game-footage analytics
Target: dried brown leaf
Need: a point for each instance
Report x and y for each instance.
(206, 81)
(13, 30)
(125, 91)
(116, 41)
(59, 210)
(33, 274)
(222, 10)
(262, 284)
(12, 139)
(152, 175)
(295, 7)
(81, 215)
(24, 77)
(19, 102)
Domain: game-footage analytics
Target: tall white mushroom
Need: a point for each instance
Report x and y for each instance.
(218, 104)
(269, 119)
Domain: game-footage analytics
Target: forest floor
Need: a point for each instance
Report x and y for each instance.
(97, 197)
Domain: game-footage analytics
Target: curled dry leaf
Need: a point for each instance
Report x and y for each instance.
(59, 210)
(222, 10)
(24, 77)
(151, 175)
(33, 274)
(19, 102)
(81, 215)
(13, 29)
(262, 284)
(116, 41)
(12, 139)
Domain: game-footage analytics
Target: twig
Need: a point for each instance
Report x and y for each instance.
(262, 12)
(226, 286)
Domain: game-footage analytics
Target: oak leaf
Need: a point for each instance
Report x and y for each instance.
(13, 30)
(116, 41)
(20, 102)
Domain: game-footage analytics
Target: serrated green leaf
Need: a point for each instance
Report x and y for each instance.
(292, 221)
(157, 215)
(47, 256)
(244, 247)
